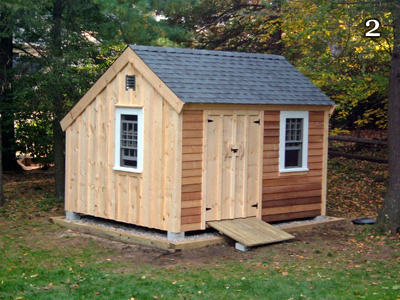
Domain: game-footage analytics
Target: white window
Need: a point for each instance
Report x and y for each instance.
(293, 148)
(129, 139)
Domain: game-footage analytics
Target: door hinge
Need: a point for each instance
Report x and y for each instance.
(209, 120)
(255, 205)
(257, 122)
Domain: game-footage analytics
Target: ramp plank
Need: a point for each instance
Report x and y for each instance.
(250, 232)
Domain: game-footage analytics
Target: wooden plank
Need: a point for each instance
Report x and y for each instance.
(271, 140)
(191, 196)
(271, 161)
(192, 134)
(290, 202)
(271, 125)
(272, 117)
(112, 96)
(260, 166)
(158, 160)
(315, 166)
(250, 231)
(191, 180)
(316, 116)
(290, 209)
(191, 211)
(193, 112)
(189, 118)
(315, 138)
(82, 162)
(314, 146)
(292, 216)
(68, 150)
(192, 141)
(270, 168)
(291, 180)
(292, 188)
(192, 157)
(271, 132)
(315, 125)
(270, 154)
(172, 122)
(300, 194)
(193, 126)
(271, 147)
(192, 173)
(192, 149)
(191, 203)
(325, 163)
(190, 219)
(191, 188)
(191, 227)
(315, 159)
(93, 209)
(191, 165)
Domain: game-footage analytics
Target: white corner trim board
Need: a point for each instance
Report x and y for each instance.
(304, 115)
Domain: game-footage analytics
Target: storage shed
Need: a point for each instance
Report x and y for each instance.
(174, 138)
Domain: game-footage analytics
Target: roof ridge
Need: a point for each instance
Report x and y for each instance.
(205, 52)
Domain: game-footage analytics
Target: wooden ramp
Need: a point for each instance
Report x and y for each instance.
(250, 231)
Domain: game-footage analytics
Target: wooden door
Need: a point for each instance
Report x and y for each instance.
(233, 164)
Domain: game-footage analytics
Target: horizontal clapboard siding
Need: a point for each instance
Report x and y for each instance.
(292, 196)
(192, 164)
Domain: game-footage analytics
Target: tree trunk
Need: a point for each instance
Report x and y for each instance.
(2, 200)
(389, 215)
(59, 159)
(58, 134)
(7, 115)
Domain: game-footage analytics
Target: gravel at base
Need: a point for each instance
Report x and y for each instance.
(159, 234)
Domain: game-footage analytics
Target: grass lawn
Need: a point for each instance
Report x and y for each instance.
(41, 260)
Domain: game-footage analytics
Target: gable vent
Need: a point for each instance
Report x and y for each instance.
(130, 82)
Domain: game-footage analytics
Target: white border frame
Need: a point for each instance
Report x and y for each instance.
(288, 115)
(128, 111)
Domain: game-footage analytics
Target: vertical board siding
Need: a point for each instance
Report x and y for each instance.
(94, 188)
(192, 156)
(292, 196)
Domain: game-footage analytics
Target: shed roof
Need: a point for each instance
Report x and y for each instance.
(219, 77)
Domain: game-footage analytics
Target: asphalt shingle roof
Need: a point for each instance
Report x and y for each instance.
(204, 76)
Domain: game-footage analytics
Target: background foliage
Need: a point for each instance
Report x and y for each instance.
(63, 46)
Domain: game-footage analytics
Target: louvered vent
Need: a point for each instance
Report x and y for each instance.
(130, 82)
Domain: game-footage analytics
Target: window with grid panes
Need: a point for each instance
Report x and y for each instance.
(293, 143)
(129, 140)
(293, 149)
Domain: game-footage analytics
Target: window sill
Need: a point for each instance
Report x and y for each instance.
(130, 170)
(294, 171)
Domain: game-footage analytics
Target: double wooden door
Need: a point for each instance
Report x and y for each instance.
(233, 166)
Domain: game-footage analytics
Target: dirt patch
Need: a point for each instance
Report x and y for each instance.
(329, 241)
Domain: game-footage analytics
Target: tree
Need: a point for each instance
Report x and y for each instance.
(69, 38)
(389, 215)
(6, 65)
(234, 25)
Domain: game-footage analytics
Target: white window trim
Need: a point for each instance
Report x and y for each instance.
(282, 135)
(117, 163)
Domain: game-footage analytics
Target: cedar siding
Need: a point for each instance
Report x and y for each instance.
(292, 196)
(192, 170)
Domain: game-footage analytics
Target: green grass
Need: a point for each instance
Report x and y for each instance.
(41, 260)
